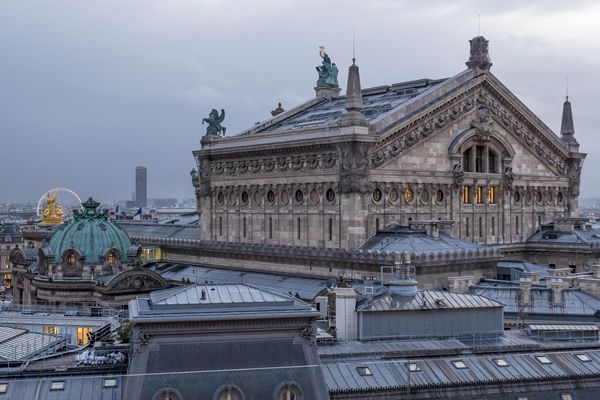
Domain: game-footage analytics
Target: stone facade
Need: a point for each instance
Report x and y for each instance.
(463, 149)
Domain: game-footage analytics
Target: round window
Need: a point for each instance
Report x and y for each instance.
(538, 197)
(377, 195)
(516, 197)
(439, 196)
(271, 197)
(244, 197)
(330, 195)
(528, 197)
(314, 197)
(257, 197)
(409, 195)
(425, 196)
(299, 196)
(284, 197)
(393, 196)
(559, 198)
(221, 198)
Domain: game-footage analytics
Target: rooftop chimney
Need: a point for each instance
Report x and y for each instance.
(557, 288)
(525, 291)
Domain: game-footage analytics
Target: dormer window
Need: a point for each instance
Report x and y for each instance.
(112, 258)
(71, 259)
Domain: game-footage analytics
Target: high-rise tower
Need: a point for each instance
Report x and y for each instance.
(141, 187)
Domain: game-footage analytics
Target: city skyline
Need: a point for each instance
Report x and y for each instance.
(136, 94)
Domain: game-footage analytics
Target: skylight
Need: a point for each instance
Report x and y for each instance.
(501, 362)
(583, 357)
(57, 385)
(459, 364)
(544, 359)
(364, 371)
(414, 367)
(110, 382)
(3, 388)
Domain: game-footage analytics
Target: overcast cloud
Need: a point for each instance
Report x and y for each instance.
(92, 89)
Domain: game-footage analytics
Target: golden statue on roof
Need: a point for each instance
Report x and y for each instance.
(53, 212)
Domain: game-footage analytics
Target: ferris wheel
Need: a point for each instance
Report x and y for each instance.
(66, 196)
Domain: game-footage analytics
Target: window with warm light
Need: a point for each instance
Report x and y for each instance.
(71, 259)
(491, 197)
(52, 330)
(112, 258)
(467, 194)
(83, 334)
(479, 195)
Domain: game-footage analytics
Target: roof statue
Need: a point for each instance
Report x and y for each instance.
(479, 57)
(214, 123)
(53, 212)
(278, 110)
(328, 71)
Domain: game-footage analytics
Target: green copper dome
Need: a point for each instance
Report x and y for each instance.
(91, 233)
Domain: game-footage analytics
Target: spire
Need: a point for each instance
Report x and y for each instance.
(479, 56)
(354, 103)
(567, 130)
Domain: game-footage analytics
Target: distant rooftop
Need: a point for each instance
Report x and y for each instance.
(427, 300)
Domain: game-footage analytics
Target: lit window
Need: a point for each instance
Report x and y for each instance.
(501, 362)
(57, 385)
(110, 382)
(459, 364)
(521, 398)
(492, 195)
(479, 195)
(83, 335)
(52, 330)
(112, 258)
(71, 259)
(544, 359)
(364, 371)
(583, 357)
(566, 396)
(467, 194)
(414, 367)
(3, 388)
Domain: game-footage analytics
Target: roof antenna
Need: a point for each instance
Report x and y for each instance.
(353, 47)
(478, 24)
(567, 83)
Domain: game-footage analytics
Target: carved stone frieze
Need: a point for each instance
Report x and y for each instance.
(492, 105)
(354, 166)
(300, 163)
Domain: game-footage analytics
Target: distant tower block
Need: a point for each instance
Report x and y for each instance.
(141, 186)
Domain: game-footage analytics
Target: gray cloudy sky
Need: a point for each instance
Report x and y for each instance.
(91, 89)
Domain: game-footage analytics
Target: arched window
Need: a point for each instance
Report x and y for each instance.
(71, 259)
(167, 393)
(229, 394)
(112, 258)
(484, 159)
(289, 391)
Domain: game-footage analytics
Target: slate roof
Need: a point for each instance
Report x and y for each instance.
(432, 300)
(137, 230)
(307, 288)
(215, 294)
(343, 376)
(589, 235)
(377, 101)
(524, 266)
(575, 302)
(10, 233)
(222, 301)
(399, 239)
